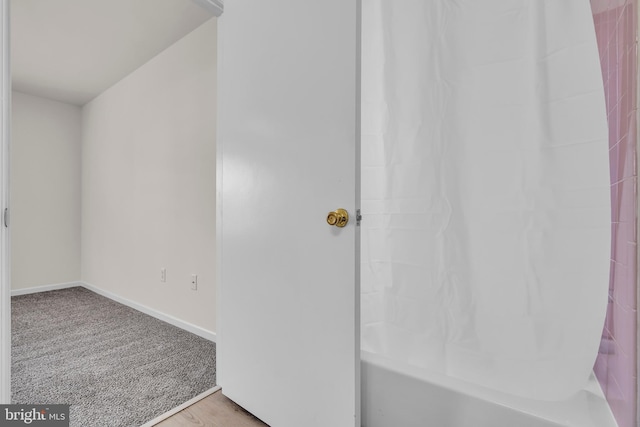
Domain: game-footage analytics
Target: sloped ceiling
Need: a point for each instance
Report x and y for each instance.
(72, 50)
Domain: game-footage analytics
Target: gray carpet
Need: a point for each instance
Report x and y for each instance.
(115, 366)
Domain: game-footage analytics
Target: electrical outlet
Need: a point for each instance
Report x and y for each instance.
(163, 275)
(194, 282)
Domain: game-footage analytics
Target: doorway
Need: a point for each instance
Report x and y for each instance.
(136, 176)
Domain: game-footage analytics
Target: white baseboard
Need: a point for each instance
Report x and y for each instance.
(44, 288)
(201, 332)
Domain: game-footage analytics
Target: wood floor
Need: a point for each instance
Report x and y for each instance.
(215, 410)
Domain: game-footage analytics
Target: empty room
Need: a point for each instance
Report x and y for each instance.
(113, 206)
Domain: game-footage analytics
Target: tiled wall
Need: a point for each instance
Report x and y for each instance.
(616, 29)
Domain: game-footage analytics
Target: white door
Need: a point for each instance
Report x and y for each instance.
(288, 347)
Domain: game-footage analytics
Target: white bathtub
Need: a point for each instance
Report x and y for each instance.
(401, 396)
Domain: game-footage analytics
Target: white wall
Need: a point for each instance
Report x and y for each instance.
(148, 182)
(45, 192)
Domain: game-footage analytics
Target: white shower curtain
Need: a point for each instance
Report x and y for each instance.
(485, 187)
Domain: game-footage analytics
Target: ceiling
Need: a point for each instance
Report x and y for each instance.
(72, 50)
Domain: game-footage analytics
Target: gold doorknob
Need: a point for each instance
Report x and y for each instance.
(339, 218)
